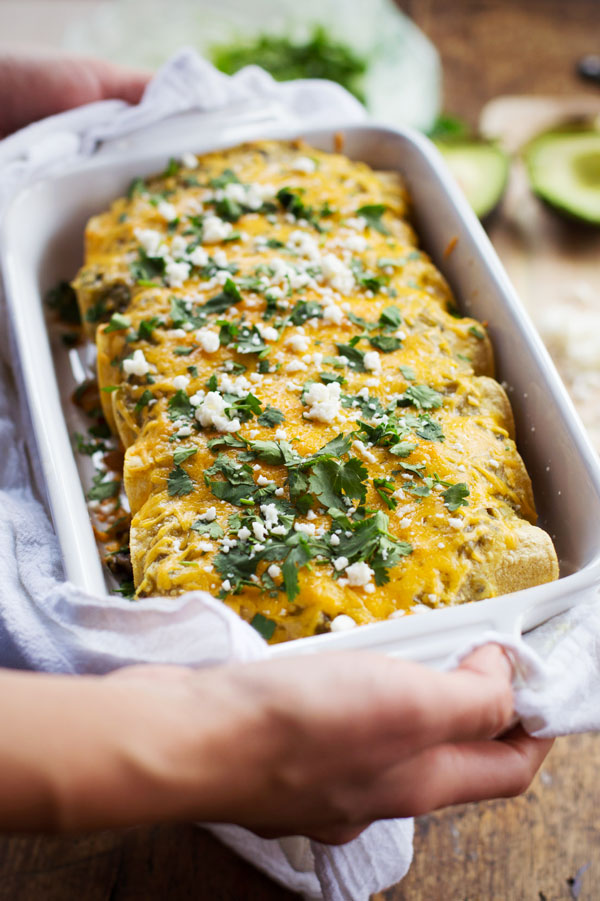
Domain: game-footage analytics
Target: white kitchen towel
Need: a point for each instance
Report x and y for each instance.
(51, 625)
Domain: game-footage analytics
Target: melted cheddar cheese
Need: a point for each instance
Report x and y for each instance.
(312, 431)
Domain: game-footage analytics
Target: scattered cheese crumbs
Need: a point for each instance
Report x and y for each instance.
(259, 530)
(176, 273)
(366, 453)
(337, 273)
(307, 527)
(189, 160)
(296, 366)
(150, 242)
(209, 515)
(274, 571)
(324, 401)
(334, 540)
(340, 562)
(215, 229)
(298, 343)
(198, 256)
(359, 574)
(332, 314)
(342, 623)
(180, 382)
(244, 533)
(303, 164)
(137, 364)
(211, 412)
(455, 521)
(262, 481)
(226, 585)
(372, 361)
(166, 210)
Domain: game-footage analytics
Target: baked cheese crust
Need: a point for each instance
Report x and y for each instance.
(312, 430)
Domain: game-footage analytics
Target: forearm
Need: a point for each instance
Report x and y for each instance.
(93, 752)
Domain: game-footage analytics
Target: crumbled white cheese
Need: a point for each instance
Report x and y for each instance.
(359, 575)
(180, 382)
(211, 412)
(324, 401)
(208, 341)
(176, 273)
(366, 453)
(296, 366)
(215, 229)
(137, 364)
(178, 246)
(189, 160)
(166, 210)
(240, 386)
(303, 164)
(274, 571)
(372, 361)
(198, 256)
(340, 563)
(342, 623)
(226, 585)
(298, 343)
(337, 273)
(307, 527)
(304, 245)
(332, 314)
(209, 515)
(270, 514)
(334, 540)
(259, 530)
(244, 533)
(263, 480)
(357, 243)
(267, 332)
(151, 242)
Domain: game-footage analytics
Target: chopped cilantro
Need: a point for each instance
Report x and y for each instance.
(183, 453)
(386, 343)
(456, 496)
(304, 310)
(354, 356)
(263, 625)
(477, 332)
(408, 372)
(390, 318)
(145, 269)
(147, 327)
(421, 396)
(118, 323)
(143, 400)
(179, 483)
(179, 406)
(102, 489)
(385, 489)
(373, 212)
(227, 177)
(212, 529)
(271, 417)
(224, 300)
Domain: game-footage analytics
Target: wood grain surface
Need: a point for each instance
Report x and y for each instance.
(543, 846)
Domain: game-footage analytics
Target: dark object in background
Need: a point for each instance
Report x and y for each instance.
(588, 67)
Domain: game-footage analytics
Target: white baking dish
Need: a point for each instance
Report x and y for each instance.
(41, 242)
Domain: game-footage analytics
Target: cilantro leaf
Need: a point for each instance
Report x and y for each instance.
(390, 318)
(421, 396)
(212, 529)
(179, 406)
(144, 399)
(385, 343)
(385, 489)
(304, 310)
(179, 483)
(227, 177)
(263, 625)
(224, 300)
(146, 268)
(101, 489)
(430, 431)
(184, 452)
(353, 355)
(147, 327)
(270, 417)
(373, 212)
(456, 496)
(118, 323)
(408, 372)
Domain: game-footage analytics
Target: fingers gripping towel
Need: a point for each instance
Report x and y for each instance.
(49, 624)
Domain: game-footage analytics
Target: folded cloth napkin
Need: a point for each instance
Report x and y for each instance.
(48, 624)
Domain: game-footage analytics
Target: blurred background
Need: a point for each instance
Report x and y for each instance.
(510, 91)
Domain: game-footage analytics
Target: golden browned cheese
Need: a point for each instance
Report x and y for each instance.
(311, 428)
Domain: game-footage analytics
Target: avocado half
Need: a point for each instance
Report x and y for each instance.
(480, 168)
(564, 170)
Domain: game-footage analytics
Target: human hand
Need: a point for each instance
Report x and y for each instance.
(35, 84)
(320, 746)
(323, 746)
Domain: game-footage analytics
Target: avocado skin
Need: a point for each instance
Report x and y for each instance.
(576, 205)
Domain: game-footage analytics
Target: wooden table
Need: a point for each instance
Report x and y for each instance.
(540, 847)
